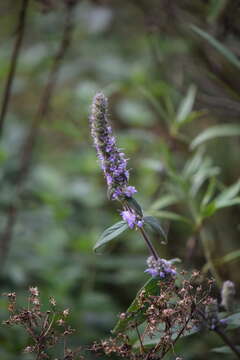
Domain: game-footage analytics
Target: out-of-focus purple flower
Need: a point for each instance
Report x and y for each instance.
(112, 160)
(160, 268)
(130, 190)
(139, 223)
(223, 322)
(152, 272)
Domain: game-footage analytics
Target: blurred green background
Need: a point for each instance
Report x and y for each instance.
(166, 84)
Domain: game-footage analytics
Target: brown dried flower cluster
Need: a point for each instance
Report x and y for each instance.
(46, 329)
(161, 319)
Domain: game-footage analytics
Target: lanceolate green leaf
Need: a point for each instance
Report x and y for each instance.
(186, 105)
(233, 321)
(215, 132)
(135, 313)
(156, 226)
(164, 201)
(170, 216)
(230, 257)
(209, 193)
(230, 56)
(134, 205)
(111, 233)
(224, 350)
(228, 196)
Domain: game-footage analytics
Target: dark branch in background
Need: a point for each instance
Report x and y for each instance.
(42, 112)
(223, 336)
(13, 62)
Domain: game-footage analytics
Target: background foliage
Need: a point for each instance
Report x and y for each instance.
(171, 72)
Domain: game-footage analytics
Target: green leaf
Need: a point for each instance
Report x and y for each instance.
(134, 205)
(154, 102)
(208, 210)
(186, 105)
(163, 202)
(205, 171)
(156, 226)
(134, 311)
(215, 9)
(215, 132)
(228, 196)
(233, 321)
(209, 192)
(232, 256)
(111, 233)
(230, 56)
(170, 216)
(224, 350)
(193, 164)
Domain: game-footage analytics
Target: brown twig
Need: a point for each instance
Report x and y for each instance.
(13, 62)
(223, 336)
(42, 112)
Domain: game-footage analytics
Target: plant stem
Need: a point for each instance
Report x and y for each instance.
(32, 136)
(13, 62)
(227, 341)
(223, 337)
(149, 244)
(208, 254)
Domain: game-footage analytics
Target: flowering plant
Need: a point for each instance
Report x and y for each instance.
(169, 306)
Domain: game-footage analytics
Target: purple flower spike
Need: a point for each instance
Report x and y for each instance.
(112, 160)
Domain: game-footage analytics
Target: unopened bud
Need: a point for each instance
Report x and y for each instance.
(228, 292)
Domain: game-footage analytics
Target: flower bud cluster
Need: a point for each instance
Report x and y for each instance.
(113, 161)
(160, 268)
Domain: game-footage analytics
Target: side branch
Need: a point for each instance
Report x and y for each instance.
(13, 62)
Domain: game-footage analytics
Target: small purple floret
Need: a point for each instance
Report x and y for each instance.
(131, 218)
(161, 268)
(152, 272)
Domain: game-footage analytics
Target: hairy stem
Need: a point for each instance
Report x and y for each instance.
(13, 62)
(149, 244)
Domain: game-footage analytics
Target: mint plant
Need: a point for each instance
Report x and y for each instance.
(171, 304)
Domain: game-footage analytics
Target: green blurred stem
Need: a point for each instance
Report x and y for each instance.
(207, 252)
(13, 62)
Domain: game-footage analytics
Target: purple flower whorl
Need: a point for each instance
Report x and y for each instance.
(160, 268)
(112, 160)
